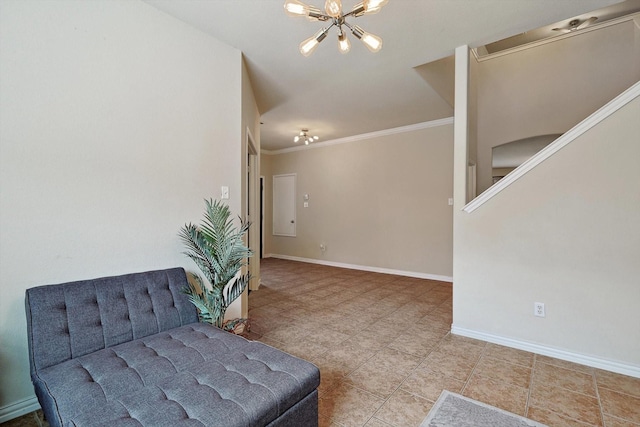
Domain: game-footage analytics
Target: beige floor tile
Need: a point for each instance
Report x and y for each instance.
(374, 422)
(504, 371)
(567, 403)
(370, 340)
(326, 422)
(458, 366)
(497, 393)
(382, 382)
(329, 337)
(618, 382)
(349, 406)
(564, 364)
(610, 421)
(347, 355)
(389, 359)
(413, 345)
(552, 419)
(620, 405)
(461, 346)
(429, 384)
(32, 419)
(288, 333)
(511, 355)
(404, 409)
(556, 376)
(304, 349)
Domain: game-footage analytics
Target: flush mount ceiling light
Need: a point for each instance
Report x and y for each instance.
(333, 13)
(576, 24)
(304, 136)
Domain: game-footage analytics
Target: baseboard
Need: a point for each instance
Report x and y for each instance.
(364, 268)
(19, 408)
(595, 362)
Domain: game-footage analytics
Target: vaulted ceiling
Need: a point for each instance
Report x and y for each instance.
(337, 96)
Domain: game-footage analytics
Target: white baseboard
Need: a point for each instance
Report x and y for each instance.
(364, 268)
(19, 408)
(595, 362)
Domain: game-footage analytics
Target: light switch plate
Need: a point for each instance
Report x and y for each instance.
(224, 193)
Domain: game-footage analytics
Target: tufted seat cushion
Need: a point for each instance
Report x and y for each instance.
(194, 375)
(128, 351)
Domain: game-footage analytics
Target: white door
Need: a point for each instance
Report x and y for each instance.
(284, 205)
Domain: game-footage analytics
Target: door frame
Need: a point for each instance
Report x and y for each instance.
(251, 213)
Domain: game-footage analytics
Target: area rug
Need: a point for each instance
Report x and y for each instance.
(453, 410)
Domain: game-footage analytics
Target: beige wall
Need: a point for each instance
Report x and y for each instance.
(550, 88)
(116, 121)
(572, 243)
(380, 202)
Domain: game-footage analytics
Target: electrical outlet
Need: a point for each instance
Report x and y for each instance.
(323, 247)
(538, 309)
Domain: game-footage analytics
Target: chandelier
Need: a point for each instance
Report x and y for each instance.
(304, 136)
(333, 13)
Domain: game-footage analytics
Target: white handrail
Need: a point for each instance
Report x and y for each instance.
(611, 107)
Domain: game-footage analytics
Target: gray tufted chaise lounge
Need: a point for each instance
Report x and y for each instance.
(129, 351)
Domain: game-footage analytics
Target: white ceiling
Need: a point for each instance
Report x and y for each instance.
(335, 95)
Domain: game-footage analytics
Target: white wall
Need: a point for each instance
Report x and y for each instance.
(116, 121)
(550, 88)
(380, 202)
(572, 243)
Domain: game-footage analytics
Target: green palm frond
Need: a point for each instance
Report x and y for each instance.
(217, 248)
(236, 287)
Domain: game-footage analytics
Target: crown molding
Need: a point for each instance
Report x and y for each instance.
(364, 136)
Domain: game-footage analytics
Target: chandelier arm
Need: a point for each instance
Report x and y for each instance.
(353, 31)
(319, 15)
(355, 13)
(333, 24)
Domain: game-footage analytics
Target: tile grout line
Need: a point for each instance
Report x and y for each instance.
(468, 380)
(595, 385)
(533, 370)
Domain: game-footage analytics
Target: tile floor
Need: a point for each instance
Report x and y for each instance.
(385, 354)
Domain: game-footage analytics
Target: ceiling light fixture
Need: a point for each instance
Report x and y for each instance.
(333, 13)
(304, 136)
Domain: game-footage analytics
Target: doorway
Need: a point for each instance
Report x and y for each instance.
(253, 212)
(261, 216)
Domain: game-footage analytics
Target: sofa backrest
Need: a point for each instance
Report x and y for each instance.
(73, 319)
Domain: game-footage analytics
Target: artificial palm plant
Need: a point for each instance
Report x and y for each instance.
(218, 249)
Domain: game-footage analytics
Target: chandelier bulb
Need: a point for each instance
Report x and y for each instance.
(371, 41)
(373, 6)
(296, 138)
(344, 45)
(333, 8)
(296, 8)
(309, 45)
